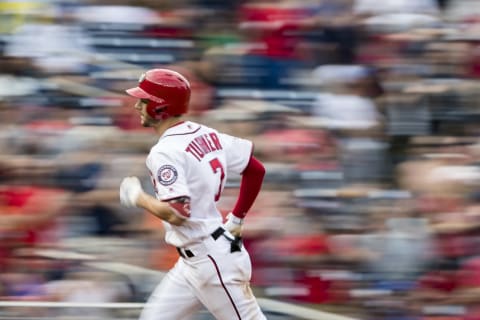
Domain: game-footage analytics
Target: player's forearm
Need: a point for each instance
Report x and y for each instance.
(252, 179)
(158, 208)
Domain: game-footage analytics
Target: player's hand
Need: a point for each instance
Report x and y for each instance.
(234, 225)
(130, 190)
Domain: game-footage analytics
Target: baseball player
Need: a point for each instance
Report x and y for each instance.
(188, 168)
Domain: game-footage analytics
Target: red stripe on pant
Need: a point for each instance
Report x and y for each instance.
(224, 287)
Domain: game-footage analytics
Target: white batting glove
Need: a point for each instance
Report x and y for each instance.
(130, 190)
(234, 225)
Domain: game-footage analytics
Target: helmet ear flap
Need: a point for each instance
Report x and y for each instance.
(163, 115)
(156, 111)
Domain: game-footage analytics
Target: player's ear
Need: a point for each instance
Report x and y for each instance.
(161, 113)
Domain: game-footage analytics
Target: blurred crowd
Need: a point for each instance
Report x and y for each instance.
(364, 112)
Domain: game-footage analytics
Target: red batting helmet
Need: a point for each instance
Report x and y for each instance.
(168, 93)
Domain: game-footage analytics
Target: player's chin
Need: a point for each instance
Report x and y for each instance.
(145, 123)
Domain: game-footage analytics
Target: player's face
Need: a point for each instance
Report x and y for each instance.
(141, 107)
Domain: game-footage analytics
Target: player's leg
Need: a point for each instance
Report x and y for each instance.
(227, 294)
(172, 298)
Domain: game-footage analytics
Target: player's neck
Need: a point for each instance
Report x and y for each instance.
(167, 123)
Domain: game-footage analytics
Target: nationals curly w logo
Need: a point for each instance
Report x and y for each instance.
(167, 175)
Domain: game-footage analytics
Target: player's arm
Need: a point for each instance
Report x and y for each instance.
(174, 211)
(250, 185)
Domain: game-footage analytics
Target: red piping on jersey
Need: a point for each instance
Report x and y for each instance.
(252, 179)
(182, 134)
(224, 287)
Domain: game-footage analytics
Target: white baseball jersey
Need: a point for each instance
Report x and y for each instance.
(194, 160)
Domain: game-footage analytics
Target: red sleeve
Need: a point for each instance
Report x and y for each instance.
(252, 178)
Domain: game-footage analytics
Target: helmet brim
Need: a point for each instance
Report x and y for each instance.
(138, 92)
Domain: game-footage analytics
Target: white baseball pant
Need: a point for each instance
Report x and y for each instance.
(214, 277)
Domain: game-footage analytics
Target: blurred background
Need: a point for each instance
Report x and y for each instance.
(364, 112)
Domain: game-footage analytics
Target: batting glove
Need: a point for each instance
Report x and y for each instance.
(130, 190)
(234, 225)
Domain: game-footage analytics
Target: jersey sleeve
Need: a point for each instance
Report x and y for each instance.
(238, 152)
(167, 174)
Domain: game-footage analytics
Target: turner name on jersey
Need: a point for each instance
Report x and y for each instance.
(204, 144)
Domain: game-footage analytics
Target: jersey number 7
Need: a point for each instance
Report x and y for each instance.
(216, 165)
